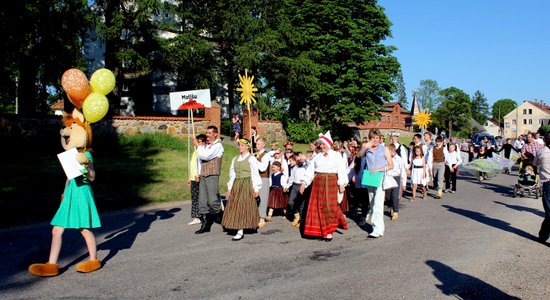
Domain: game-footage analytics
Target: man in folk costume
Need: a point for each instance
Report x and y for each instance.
(323, 213)
(264, 158)
(210, 156)
(437, 157)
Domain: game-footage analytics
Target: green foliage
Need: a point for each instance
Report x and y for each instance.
(227, 128)
(326, 57)
(300, 131)
(401, 92)
(271, 107)
(479, 107)
(543, 130)
(428, 95)
(454, 112)
(503, 107)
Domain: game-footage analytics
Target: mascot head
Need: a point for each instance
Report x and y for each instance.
(76, 133)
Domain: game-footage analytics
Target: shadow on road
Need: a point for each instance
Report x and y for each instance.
(463, 286)
(490, 221)
(522, 208)
(124, 238)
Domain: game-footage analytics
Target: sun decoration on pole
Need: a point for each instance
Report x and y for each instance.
(422, 119)
(247, 89)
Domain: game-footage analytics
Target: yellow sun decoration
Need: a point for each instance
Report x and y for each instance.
(247, 89)
(422, 119)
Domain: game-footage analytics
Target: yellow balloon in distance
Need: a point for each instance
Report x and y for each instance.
(102, 81)
(95, 107)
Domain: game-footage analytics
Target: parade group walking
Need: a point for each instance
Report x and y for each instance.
(320, 190)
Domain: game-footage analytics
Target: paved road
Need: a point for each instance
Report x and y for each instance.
(475, 244)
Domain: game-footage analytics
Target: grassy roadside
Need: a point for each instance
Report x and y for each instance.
(131, 171)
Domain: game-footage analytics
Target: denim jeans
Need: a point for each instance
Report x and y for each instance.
(544, 232)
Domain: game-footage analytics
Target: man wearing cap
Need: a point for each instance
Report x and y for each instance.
(324, 215)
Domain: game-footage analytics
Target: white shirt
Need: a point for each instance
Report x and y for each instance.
(264, 162)
(254, 174)
(453, 158)
(403, 150)
(284, 165)
(519, 144)
(332, 163)
(431, 156)
(302, 174)
(399, 169)
(284, 180)
(540, 141)
(210, 151)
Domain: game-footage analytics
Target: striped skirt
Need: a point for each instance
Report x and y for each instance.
(277, 198)
(241, 211)
(324, 215)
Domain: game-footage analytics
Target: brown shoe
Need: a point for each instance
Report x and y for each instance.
(44, 270)
(262, 223)
(394, 216)
(296, 222)
(88, 266)
(268, 218)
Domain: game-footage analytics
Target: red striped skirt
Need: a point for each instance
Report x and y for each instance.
(277, 199)
(324, 215)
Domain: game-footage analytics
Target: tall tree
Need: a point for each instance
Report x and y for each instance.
(39, 40)
(454, 111)
(503, 107)
(330, 62)
(130, 30)
(401, 93)
(479, 107)
(428, 95)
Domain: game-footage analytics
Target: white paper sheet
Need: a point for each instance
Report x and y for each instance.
(69, 163)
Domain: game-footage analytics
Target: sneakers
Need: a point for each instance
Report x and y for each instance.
(195, 221)
(375, 235)
(262, 223)
(452, 192)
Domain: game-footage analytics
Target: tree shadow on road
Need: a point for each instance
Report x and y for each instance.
(124, 238)
(522, 208)
(496, 223)
(464, 286)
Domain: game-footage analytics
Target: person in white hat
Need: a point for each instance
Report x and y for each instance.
(324, 215)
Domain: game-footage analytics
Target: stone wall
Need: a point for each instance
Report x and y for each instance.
(272, 131)
(125, 125)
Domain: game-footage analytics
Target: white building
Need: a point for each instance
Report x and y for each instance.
(527, 117)
(493, 127)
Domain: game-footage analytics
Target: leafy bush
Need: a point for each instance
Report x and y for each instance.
(226, 128)
(300, 131)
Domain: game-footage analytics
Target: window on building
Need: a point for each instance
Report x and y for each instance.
(524, 121)
(524, 111)
(530, 111)
(397, 120)
(388, 119)
(507, 124)
(530, 121)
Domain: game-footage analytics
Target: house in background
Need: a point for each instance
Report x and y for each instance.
(527, 117)
(392, 118)
(493, 127)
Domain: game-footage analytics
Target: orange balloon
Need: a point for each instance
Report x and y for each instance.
(76, 85)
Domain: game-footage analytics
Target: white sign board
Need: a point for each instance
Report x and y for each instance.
(200, 96)
(69, 163)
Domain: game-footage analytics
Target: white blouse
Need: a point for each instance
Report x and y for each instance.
(254, 174)
(332, 163)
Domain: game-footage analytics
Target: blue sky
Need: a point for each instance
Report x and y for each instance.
(500, 47)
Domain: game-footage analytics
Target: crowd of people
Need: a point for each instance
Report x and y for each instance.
(318, 189)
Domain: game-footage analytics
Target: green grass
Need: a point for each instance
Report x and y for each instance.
(131, 171)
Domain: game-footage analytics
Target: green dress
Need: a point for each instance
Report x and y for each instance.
(77, 210)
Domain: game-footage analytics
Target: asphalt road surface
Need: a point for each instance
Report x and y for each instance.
(476, 244)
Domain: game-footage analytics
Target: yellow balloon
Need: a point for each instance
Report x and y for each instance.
(95, 107)
(102, 81)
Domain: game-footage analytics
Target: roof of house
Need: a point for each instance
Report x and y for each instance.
(495, 121)
(538, 104)
(59, 105)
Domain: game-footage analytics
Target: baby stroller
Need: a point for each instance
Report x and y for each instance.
(528, 183)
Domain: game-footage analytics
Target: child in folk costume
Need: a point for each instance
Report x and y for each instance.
(279, 186)
(418, 172)
(242, 189)
(193, 182)
(300, 180)
(323, 215)
(277, 156)
(451, 168)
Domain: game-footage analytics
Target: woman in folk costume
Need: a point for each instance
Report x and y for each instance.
(242, 189)
(323, 213)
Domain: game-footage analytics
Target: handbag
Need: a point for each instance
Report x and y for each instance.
(372, 180)
(388, 182)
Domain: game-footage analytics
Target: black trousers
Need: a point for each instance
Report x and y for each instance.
(450, 178)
